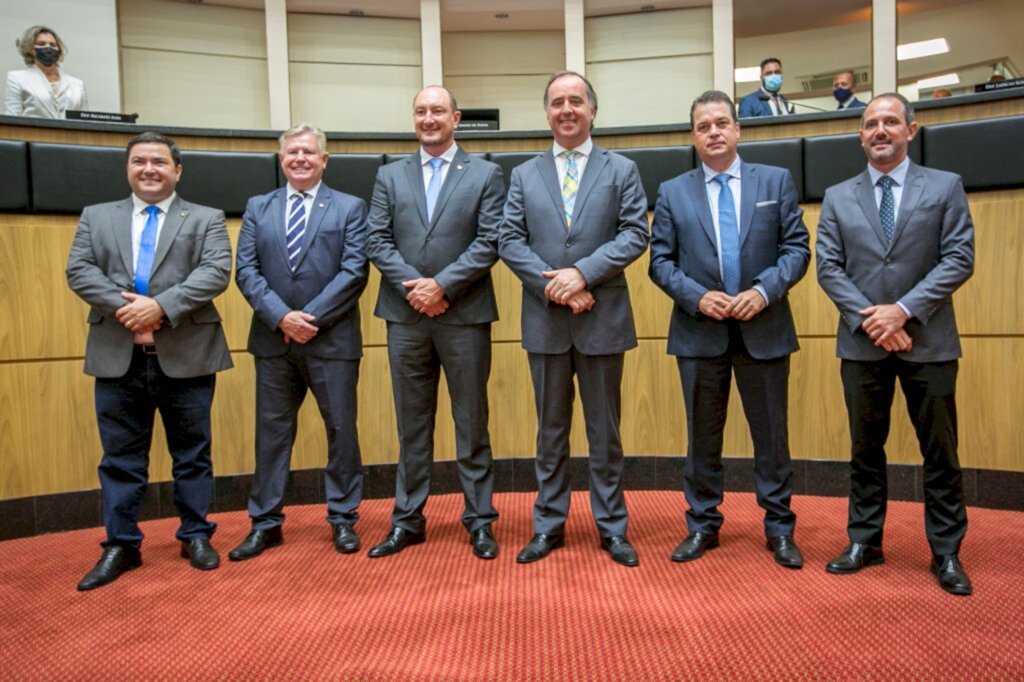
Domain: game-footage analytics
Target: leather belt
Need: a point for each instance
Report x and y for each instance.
(147, 348)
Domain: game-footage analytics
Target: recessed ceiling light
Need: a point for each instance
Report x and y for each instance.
(747, 74)
(501, 15)
(938, 81)
(924, 48)
(357, 13)
(647, 8)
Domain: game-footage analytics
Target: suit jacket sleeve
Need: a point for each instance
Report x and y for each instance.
(747, 107)
(831, 255)
(269, 307)
(664, 268)
(482, 252)
(956, 257)
(513, 240)
(208, 279)
(631, 236)
(12, 96)
(342, 293)
(794, 245)
(85, 276)
(380, 239)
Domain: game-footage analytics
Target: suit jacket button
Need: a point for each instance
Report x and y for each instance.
(568, 245)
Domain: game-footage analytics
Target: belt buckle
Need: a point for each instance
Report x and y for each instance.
(148, 348)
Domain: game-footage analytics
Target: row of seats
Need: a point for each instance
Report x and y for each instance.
(64, 178)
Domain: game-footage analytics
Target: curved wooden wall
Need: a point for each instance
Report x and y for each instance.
(49, 442)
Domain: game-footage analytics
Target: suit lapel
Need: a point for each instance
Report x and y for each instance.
(748, 199)
(41, 87)
(699, 200)
(865, 194)
(456, 171)
(177, 212)
(414, 174)
(277, 219)
(595, 164)
(913, 189)
(121, 226)
(321, 205)
(549, 178)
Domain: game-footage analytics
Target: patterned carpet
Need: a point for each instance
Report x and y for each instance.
(434, 612)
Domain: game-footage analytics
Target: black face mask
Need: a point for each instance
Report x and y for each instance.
(47, 56)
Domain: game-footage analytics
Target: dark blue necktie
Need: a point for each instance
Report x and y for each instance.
(147, 249)
(296, 228)
(434, 187)
(729, 234)
(887, 209)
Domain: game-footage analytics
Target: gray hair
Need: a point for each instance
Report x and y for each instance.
(302, 129)
(908, 108)
(26, 44)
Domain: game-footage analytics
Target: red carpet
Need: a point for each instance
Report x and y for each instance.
(434, 612)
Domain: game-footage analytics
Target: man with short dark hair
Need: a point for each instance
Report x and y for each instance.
(301, 265)
(576, 216)
(149, 267)
(894, 243)
(433, 235)
(728, 243)
(844, 89)
(768, 99)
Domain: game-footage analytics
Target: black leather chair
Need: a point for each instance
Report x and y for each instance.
(226, 180)
(831, 159)
(987, 154)
(65, 178)
(14, 193)
(788, 154)
(658, 164)
(509, 160)
(352, 173)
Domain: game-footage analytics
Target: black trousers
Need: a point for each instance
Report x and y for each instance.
(930, 390)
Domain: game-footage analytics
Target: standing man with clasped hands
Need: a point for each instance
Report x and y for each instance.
(576, 216)
(149, 267)
(301, 265)
(433, 235)
(894, 243)
(728, 243)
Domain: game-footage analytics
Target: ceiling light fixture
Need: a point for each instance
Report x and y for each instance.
(923, 48)
(938, 81)
(747, 74)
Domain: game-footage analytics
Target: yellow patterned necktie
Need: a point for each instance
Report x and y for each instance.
(570, 186)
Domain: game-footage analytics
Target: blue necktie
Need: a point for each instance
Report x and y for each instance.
(729, 234)
(147, 249)
(296, 228)
(434, 188)
(887, 209)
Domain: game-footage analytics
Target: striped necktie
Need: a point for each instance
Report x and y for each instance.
(570, 186)
(296, 228)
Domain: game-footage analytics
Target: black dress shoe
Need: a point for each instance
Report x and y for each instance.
(694, 546)
(115, 561)
(484, 544)
(255, 542)
(856, 557)
(622, 552)
(397, 540)
(346, 540)
(951, 575)
(200, 554)
(539, 547)
(786, 552)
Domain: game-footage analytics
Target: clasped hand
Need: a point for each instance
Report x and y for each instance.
(426, 296)
(743, 306)
(141, 314)
(884, 324)
(298, 326)
(568, 287)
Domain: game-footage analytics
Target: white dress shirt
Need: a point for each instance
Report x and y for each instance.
(307, 202)
(562, 163)
(428, 171)
(139, 218)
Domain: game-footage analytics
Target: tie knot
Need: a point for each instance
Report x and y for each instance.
(722, 179)
(885, 182)
(571, 154)
(153, 211)
(435, 163)
(298, 196)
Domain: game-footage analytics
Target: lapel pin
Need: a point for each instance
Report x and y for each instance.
(459, 167)
(184, 213)
(320, 205)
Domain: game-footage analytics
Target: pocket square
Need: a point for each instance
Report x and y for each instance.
(766, 203)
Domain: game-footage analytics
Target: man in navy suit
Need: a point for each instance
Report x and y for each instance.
(728, 242)
(301, 264)
(844, 89)
(767, 100)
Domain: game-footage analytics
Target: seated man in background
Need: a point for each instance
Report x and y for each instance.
(150, 266)
(844, 89)
(767, 100)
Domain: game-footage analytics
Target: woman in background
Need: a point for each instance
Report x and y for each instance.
(41, 89)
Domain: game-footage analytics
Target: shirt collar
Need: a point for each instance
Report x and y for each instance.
(448, 155)
(583, 149)
(733, 171)
(899, 173)
(312, 191)
(140, 206)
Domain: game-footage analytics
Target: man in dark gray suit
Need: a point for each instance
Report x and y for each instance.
(894, 243)
(728, 243)
(433, 235)
(149, 267)
(302, 265)
(576, 217)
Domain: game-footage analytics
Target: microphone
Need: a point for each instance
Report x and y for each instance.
(808, 106)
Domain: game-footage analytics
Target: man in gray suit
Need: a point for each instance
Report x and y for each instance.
(433, 235)
(728, 243)
(894, 243)
(149, 267)
(576, 217)
(301, 265)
